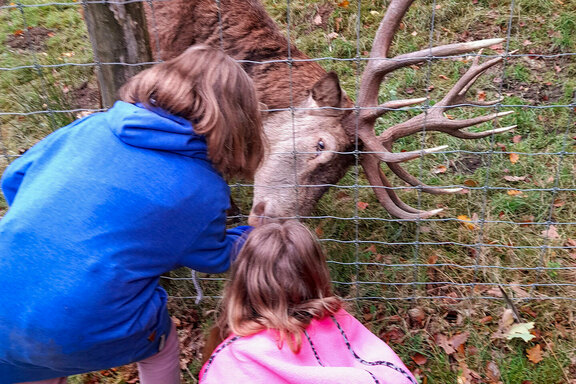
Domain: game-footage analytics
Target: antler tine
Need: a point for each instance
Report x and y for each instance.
(415, 182)
(388, 27)
(363, 122)
(379, 148)
(434, 119)
(387, 197)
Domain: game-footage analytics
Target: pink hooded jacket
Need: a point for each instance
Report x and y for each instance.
(336, 349)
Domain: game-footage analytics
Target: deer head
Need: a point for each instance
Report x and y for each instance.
(307, 152)
(312, 126)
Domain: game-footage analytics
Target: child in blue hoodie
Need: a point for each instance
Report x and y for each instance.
(102, 207)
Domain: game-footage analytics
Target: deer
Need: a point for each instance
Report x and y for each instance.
(312, 126)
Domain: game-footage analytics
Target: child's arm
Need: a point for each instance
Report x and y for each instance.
(215, 249)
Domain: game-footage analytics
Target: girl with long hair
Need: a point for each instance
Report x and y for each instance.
(283, 324)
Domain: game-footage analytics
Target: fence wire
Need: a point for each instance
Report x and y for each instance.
(518, 234)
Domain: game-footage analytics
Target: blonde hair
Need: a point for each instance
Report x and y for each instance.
(280, 281)
(210, 89)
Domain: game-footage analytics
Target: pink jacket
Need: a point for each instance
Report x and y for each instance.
(336, 349)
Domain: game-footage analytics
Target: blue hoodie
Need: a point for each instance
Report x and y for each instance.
(98, 211)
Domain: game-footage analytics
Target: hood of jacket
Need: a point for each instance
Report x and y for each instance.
(155, 129)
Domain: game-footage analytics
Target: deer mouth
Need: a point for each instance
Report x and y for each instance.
(263, 212)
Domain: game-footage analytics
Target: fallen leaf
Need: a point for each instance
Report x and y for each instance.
(372, 249)
(470, 183)
(393, 336)
(481, 96)
(521, 331)
(419, 359)
(550, 233)
(516, 139)
(492, 371)
(317, 20)
(459, 339)
(344, 4)
(439, 169)
(467, 222)
(514, 157)
(513, 192)
(362, 205)
(515, 178)
(332, 35)
(442, 341)
(535, 354)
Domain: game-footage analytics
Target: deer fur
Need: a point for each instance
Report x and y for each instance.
(305, 103)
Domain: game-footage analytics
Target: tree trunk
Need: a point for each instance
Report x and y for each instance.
(119, 35)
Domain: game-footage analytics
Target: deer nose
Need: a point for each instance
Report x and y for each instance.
(257, 215)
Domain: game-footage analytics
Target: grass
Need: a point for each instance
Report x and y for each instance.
(445, 267)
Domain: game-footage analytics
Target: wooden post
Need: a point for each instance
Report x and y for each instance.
(119, 34)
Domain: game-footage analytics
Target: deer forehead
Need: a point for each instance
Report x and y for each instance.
(304, 128)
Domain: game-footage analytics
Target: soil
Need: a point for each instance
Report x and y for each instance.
(85, 96)
(467, 164)
(534, 93)
(319, 17)
(34, 38)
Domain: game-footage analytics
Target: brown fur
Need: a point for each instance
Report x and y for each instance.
(244, 31)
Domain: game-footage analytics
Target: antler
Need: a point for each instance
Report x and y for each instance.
(379, 148)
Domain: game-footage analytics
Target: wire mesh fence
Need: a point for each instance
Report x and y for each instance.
(512, 226)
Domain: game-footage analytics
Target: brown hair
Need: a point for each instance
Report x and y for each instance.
(280, 281)
(210, 89)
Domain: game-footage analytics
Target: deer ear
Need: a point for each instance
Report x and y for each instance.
(327, 92)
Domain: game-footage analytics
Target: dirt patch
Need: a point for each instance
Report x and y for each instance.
(85, 96)
(467, 164)
(534, 93)
(34, 38)
(319, 17)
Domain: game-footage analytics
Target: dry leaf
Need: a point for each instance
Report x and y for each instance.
(332, 35)
(362, 205)
(459, 339)
(516, 139)
(439, 169)
(467, 222)
(513, 192)
(551, 233)
(442, 341)
(515, 178)
(344, 4)
(535, 354)
(481, 96)
(419, 359)
(470, 183)
(514, 157)
(372, 249)
(521, 331)
(317, 20)
(492, 371)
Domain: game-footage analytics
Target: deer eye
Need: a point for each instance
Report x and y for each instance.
(320, 146)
